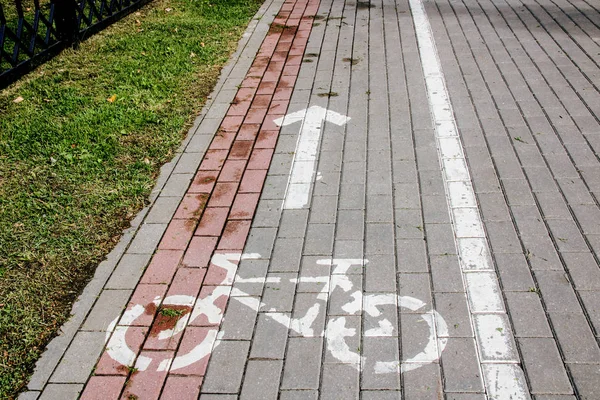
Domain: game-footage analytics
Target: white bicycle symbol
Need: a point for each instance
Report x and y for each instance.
(335, 332)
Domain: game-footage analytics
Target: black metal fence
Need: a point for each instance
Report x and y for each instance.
(31, 31)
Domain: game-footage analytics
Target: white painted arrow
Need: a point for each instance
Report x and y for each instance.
(303, 166)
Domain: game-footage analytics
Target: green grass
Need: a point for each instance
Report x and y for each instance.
(75, 167)
(171, 312)
(10, 8)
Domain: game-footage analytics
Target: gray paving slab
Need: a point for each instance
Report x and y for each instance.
(466, 396)
(454, 308)
(146, 241)
(61, 392)
(575, 337)
(445, 274)
(299, 395)
(31, 395)
(424, 383)
(286, 255)
(440, 239)
(108, 307)
(304, 304)
(514, 272)
(177, 185)
(293, 224)
(417, 285)
(379, 238)
(163, 210)
(340, 382)
(544, 366)
(323, 210)
(557, 292)
(302, 363)
(270, 338)
(206, 396)
(262, 379)
(128, 271)
(586, 379)
(380, 274)
(381, 349)
(268, 214)
(412, 255)
(80, 358)
(261, 241)
(239, 320)
(461, 369)
(226, 369)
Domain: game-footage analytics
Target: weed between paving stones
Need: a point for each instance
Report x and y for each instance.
(75, 168)
(168, 317)
(328, 94)
(352, 61)
(364, 4)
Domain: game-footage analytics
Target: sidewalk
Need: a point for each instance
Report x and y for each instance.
(384, 200)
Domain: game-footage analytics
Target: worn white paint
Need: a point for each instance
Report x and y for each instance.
(119, 350)
(387, 367)
(354, 306)
(498, 345)
(142, 363)
(239, 279)
(201, 350)
(305, 157)
(372, 301)
(226, 261)
(504, 379)
(474, 254)
(341, 281)
(410, 302)
(385, 328)
(117, 347)
(207, 306)
(505, 382)
(436, 341)
(467, 223)
(304, 325)
(336, 331)
(336, 335)
(177, 300)
(483, 292)
(460, 195)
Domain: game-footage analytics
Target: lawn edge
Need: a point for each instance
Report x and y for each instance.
(231, 76)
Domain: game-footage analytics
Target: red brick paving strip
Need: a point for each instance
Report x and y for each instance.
(214, 215)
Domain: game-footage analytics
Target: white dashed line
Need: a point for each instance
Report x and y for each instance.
(498, 358)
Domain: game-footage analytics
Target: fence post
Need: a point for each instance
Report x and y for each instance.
(65, 17)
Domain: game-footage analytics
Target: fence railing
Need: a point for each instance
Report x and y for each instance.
(31, 31)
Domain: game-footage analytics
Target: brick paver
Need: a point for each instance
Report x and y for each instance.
(449, 248)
